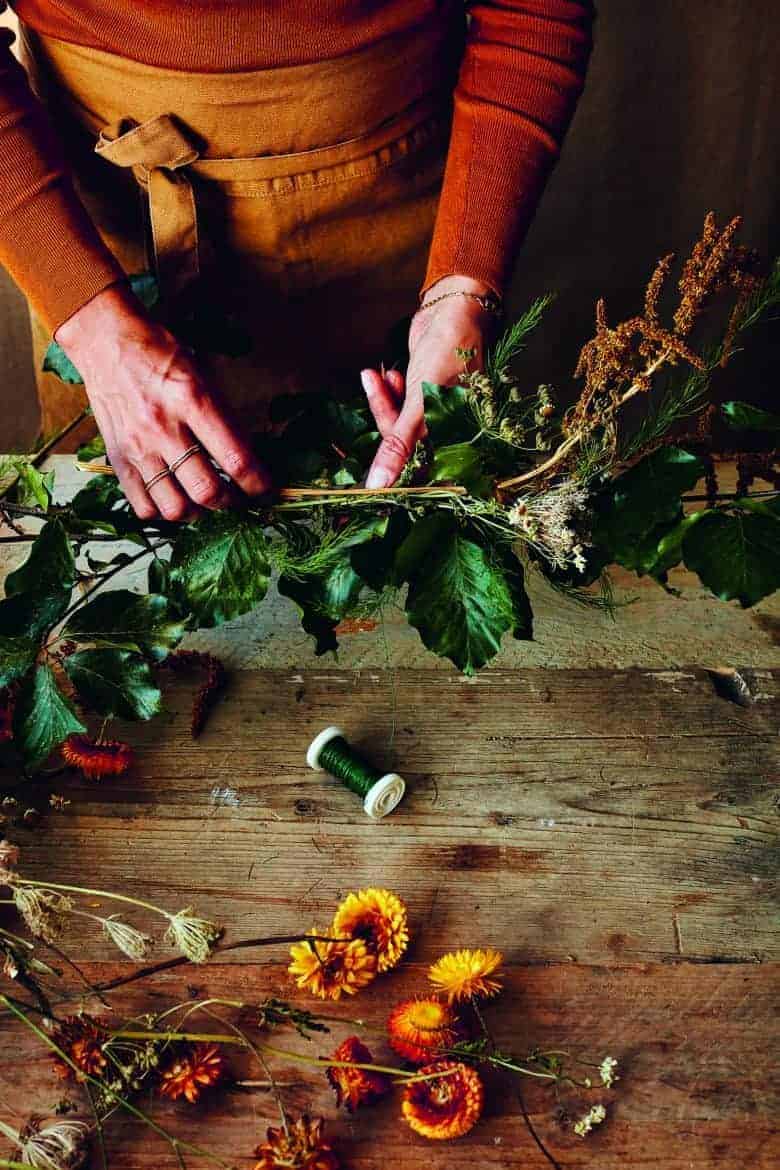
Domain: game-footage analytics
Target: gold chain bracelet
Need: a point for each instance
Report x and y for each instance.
(488, 301)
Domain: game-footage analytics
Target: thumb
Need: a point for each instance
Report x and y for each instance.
(394, 450)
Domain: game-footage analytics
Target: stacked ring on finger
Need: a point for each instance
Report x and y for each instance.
(149, 483)
(185, 455)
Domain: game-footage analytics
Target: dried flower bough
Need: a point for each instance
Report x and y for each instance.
(443, 1039)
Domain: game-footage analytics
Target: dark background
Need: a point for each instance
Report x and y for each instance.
(681, 114)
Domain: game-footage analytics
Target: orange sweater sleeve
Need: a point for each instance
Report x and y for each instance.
(47, 241)
(522, 72)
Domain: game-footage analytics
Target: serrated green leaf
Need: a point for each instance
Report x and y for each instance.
(641, 500)
(102, 504)
(35, 487)
(31, 615)
(222, 566)
(49, 568)
(460, 602)
(736, 556)
(132, 621)
(43, 717)
(462, 463)
(744, 417)
(115, 683)
(448, 416)
(665, 548)
(17, 655)
(512, 569)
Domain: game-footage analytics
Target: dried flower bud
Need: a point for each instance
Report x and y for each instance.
(61, 1145)
(131, 942)
(42, 910)
(194, 937)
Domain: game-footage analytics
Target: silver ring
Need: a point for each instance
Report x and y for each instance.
(149, 483)
(193, 450)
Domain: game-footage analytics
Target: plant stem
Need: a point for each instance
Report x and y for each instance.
(530, 1127)
(174, 1142)
(22, 881)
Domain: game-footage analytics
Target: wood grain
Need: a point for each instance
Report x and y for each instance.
(696, 1053)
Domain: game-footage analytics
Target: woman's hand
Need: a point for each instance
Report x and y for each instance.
(457, 323)
(151, 404)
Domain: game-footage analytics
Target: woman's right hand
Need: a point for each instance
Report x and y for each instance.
(151, 404)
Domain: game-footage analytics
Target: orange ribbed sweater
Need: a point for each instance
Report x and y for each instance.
(521, 75)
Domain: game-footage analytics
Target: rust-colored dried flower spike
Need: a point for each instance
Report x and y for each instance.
(214, 682)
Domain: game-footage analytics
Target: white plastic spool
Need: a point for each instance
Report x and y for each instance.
(382, 798)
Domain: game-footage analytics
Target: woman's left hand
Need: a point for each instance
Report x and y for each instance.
(435, 336)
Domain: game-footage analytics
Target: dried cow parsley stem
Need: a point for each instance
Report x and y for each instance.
(43, 910)
(193, 936)
(126, 938)
(60, 1145)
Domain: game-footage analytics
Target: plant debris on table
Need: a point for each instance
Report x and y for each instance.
(504, 484)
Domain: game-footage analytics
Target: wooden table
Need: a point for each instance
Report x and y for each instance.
(612, 829)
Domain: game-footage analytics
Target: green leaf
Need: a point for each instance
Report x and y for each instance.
(56, 361)
(461, 463)
(744, 417)
(448, 416)
(50, 567)
(94, 449)
(114, 683)
(132, 621)
(664, 548)
(510, 566)
(43, 717)
(374, 559)
(460, 602)
(31, 615)
(323, 601)
(17, 655)
(35, 487)
(222, 566)
(102, 504)
(642, 499)
(736, 556)
(426, 535)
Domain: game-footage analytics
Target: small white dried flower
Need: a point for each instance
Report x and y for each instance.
(131, 942)
(42, 910)
(594, 1117)
(193, 936)
(607, 1071)
(61, 1145)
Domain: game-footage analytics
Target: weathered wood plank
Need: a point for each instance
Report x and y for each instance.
(697, 1045)
(605, 816)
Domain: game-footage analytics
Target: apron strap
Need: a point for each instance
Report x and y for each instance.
(159, 151)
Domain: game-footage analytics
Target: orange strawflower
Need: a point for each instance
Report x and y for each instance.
(195, 1069)
(81, 1038)
(379, 918)
(332, 968)
(447, 1106)
(418, 1029)
(467, 974)
(109, 758)
(356, 1086)
(302, 1147)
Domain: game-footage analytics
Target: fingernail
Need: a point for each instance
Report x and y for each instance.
(378, 478)
(365, 379)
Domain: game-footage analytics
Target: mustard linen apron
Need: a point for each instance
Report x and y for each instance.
(303, 197)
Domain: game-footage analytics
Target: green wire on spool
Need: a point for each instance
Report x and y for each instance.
(330, 752)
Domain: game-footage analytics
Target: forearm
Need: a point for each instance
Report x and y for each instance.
(47, 241)
(522, 72)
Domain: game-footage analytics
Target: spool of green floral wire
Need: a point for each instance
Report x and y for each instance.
(330, 752)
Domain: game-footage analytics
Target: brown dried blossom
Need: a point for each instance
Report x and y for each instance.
(216, 677)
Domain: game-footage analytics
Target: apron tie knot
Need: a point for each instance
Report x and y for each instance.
(159, 152)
